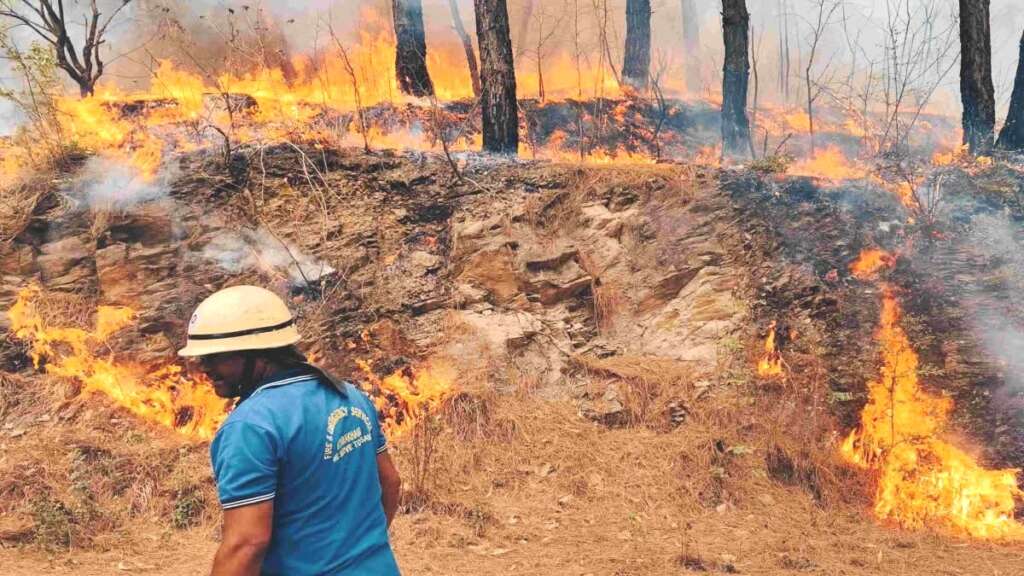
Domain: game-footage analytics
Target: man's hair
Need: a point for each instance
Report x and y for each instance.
(286, 356)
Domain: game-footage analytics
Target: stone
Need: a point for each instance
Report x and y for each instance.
(667, 288)
(606, 409)
(493, 271)
(425, 260)
(64, 263)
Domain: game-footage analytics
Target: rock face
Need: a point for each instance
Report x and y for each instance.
(627, 273)
(528, 276)
(66, 264)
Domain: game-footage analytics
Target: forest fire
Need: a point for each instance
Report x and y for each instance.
(163, 395)
(922, 479)
(409, 395)
(828, 163)
(770, 365)
(870, 262)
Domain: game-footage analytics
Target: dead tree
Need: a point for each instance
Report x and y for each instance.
(467, 46)
(411, 48)
(636, 64)
(691, 44)
(498, 104)
(976, 90)
(735, 76)
(1011, 137)
(48, 19)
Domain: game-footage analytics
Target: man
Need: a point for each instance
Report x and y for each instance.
(302, 468)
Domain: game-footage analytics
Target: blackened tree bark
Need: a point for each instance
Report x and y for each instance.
(976, 91)
(691, 45)
(735, 76)
(1011, 137)
(498, 104)
(467, 46)
(411, 48)
(636, 64)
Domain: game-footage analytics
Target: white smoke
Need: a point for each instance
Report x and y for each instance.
(113, 184)
(992, 317)
(248, 249)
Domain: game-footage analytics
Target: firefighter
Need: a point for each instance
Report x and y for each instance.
(302, 468)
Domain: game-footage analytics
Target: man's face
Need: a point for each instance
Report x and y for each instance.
(226, 370)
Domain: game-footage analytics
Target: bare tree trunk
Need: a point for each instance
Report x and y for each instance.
(467, 45)
(1011, 137)
(735, 76)
(411, 48)
(498, 104)
(636, 64)
(691, 45)
(976, 89)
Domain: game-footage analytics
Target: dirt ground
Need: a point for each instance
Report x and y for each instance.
(572, 497)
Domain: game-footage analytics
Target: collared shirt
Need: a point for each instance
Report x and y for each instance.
(313, 451)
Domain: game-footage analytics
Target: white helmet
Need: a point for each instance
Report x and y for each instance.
(240, 318)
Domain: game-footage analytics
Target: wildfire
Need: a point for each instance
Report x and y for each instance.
(829, 164)
(870, 262)
(923, 480)
(163, 395)
(771, 363)
(409, 395)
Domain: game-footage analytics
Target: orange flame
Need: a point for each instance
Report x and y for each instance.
(771, 363)
(828, 164)
(409, 395)
(924, 480)
(163, 395)
(870, 262)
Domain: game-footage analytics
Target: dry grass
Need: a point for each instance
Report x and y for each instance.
(20, 201)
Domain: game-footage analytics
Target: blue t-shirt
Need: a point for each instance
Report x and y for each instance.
(314, 452)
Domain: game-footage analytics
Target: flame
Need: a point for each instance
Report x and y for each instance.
(163, 395)
(409, 395)
(828, 163)
(870, 262)
(924, 480)
(798, 121)
(771, 363)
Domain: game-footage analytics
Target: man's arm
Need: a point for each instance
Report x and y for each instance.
(246, 535)
(390, 485)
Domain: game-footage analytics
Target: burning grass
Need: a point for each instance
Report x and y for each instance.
(163, 395)
(923, 479)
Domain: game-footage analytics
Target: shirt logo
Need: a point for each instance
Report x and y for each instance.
(348, 428)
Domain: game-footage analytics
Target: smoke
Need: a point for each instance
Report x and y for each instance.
(247, 249)
(111, 183)
(994, 300)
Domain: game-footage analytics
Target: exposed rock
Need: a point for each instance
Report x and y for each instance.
(493, 271)
(667, 288)
(65, 263)
(17, 260)
(425, 260)
(605, 408)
